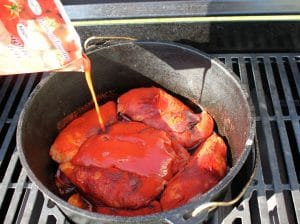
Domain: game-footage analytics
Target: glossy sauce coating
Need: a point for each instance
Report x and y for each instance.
(205, 169)
(79, 130)
(160, 110)
(146, 152)
(114, 187)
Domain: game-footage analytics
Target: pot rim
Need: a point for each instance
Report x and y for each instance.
(166, 216)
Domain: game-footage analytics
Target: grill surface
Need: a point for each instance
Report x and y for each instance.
(274, 197)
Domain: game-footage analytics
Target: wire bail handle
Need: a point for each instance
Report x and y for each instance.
(94, 42)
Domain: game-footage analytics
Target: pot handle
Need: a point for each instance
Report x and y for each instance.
(210, 206)
(96, 42)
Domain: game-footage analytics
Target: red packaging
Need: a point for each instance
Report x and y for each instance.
(35, 36)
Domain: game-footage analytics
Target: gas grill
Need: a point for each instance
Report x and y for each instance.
(265, 56)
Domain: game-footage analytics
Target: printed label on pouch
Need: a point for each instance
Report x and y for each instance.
(36, 36)
(35, 7)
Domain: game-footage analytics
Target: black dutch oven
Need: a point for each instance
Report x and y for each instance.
(181, 70)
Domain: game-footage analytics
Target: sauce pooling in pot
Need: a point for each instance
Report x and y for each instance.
(88, 77)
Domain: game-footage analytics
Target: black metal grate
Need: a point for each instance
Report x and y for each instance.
(273, 81)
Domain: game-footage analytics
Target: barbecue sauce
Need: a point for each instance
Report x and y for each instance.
(87, 71)
(145, 151)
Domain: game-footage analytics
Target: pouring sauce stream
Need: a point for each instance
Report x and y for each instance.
(87, 71)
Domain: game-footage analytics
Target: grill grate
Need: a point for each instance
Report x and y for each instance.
(273, 81)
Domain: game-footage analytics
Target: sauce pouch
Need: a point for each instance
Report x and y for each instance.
(36, 36)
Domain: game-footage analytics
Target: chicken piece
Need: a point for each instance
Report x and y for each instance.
(182, 157)
(127, 128)
(78, 201)
(181, 154)
(158, 109)
(205, 169)
(133, 147)
(197, 134)
(114, 187)
(153, 207)
(79, 130)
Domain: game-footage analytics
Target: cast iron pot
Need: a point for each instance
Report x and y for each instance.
(179, 69)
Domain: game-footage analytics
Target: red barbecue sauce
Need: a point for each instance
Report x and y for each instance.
(132, 147)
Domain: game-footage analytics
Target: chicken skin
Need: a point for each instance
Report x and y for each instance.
(133, 147)
(181, 154)
(112, 186)
(79, 130)
(156, 108)
(205, 169)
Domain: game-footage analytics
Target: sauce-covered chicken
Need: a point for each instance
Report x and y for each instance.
(133, 147)
(158, 109)
(79, 130)
(205, 169)
(141, 163)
